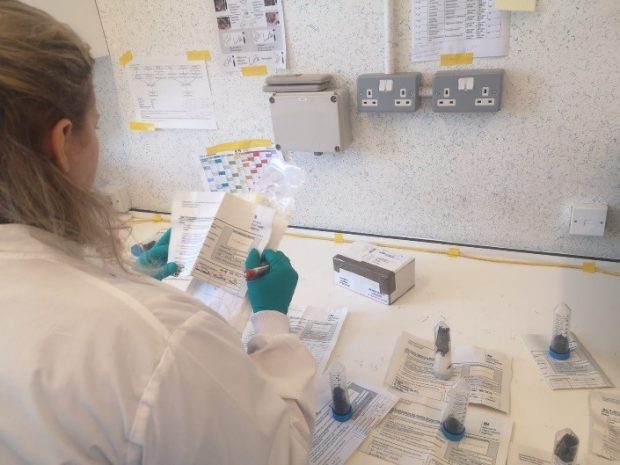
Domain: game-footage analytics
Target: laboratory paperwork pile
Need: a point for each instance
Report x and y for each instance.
(439, 405)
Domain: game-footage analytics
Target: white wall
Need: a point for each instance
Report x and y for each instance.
(505, 179)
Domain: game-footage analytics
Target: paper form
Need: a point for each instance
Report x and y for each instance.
(238, 227)
(172, 92)
(458, 26)
(488, 372)
(317, 328)
(605, 424)
(251, 33)
(580, 371)
(410, 434)
(235, 310)
(192, 214)
(334, 442)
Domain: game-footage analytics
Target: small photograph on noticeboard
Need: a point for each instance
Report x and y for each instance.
(272, 18)
(271, 2)
(220, 5)
(223, 23)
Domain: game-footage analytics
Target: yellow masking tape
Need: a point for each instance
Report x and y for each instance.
(139, 126)
(198, 55)
(453, 59)
(126, 58)
(516, 5)
(254, 70)
(238, 145)
(338, 238)
(589, 267)
(454, 252)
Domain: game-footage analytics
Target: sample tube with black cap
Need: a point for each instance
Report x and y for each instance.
(559, 348)
(341, 405)
(453, 418)
(565, 448)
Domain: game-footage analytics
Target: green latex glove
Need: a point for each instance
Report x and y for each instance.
(274, 290)
(154, 262)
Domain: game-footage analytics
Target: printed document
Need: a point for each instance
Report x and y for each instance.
(580, 371)
(334, 442)
(489, 373)
(251, 33)
(410, 434)
(172, 92)
(522, 455)
(605, 424)
(458, 26)
(317, 328)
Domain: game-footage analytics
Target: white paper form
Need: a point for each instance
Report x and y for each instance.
(458, 26)
(580, 371)
(172, 92)
(318, 329)
(410, 434)
(334, 442)
(251, 33)
(488, 372)
(238, 226)
(605, 424)
(523, 455)
(192, 214)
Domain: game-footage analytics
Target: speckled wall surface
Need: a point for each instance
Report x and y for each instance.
(505, 179)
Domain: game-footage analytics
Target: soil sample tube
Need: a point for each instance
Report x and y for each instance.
(453, 418)
(442, 366)
(559, 347)
(565, 448)
(341, 405)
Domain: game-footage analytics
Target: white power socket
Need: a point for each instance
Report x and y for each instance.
(588, 219)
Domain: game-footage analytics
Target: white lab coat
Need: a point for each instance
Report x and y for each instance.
(104, 369)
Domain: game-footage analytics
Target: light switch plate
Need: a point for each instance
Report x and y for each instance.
(588, 219)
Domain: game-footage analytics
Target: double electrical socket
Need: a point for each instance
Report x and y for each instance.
(379, 93)
(468, 90)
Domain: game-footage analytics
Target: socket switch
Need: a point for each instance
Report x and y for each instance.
(379, 93)
(588, 219)
(468, 90)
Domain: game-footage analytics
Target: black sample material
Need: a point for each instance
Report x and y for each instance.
(341, 404)
(453, 426)
(566, 448)
(559, 344)
(442, 341)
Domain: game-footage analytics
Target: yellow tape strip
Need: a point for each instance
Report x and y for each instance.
(339, 238)
(454, 252)
(453, 59)
(139, 126)
(198, 55)
(254, 70)
(589, 267)
(238, 145)
(126, 58)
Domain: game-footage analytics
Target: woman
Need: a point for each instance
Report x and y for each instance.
(98, 365)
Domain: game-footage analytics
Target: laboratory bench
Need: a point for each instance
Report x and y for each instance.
(489, 301)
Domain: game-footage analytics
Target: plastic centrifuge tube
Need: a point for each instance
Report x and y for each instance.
(442, 367)
(341, 406)
(453, 419)
(565, 448)
(559, 347)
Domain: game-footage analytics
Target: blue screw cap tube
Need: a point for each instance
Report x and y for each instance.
(559, 348)
(341, 405)
(453, 418)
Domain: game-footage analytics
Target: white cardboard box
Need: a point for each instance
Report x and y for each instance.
(380, 274)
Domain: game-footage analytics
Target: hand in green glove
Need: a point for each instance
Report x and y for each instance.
(274, 290)
(153, 262)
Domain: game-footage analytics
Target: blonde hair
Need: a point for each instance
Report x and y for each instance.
(45, 75)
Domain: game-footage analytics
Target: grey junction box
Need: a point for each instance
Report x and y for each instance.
(311, 121)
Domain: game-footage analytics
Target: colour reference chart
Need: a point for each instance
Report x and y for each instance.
(236, 171)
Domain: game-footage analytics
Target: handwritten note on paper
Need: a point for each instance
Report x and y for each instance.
(172, 92)
(238, 226)
(458, 26)
(251, 33)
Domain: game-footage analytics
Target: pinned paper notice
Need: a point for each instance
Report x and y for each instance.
(516, 5)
